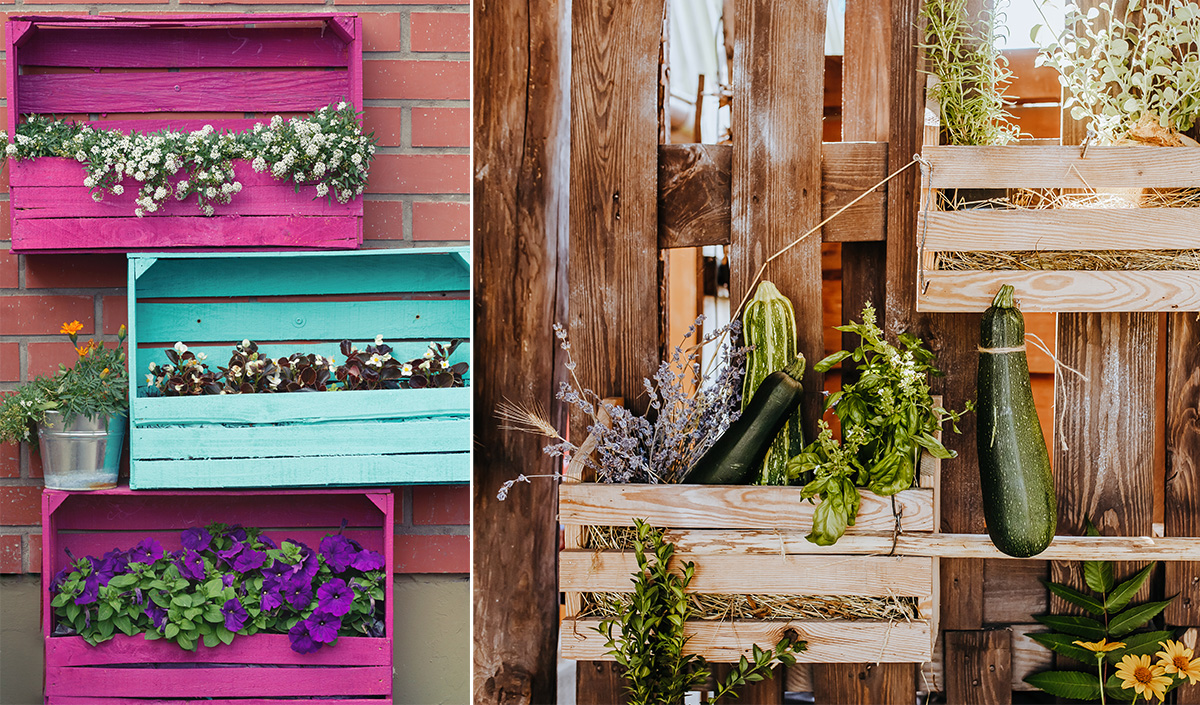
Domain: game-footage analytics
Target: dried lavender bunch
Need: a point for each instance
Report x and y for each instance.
(688, 411)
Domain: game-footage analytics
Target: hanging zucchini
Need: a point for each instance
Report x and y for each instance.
(1014, 467)
(769, 325)
(739, 452)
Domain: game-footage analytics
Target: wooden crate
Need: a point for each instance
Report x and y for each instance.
(298, 302)
(261, 666)
(1059, 167)
(748, 539)
(147, 73)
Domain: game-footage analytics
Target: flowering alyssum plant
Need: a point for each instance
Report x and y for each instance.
(224, 581)
(251, 372)
(326, 150)
(97, 384)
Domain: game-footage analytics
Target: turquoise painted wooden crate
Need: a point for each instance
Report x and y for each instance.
(298, 302)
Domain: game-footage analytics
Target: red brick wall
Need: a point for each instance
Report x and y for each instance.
(416, 94)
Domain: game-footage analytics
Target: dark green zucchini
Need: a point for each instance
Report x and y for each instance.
(735, 457)
(1014, 467)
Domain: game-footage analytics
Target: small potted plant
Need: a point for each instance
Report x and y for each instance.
(79, 413)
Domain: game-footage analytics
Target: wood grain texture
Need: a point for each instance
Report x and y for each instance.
(871, 576)
(728, 507)
(1063, 291)
(599, 683)
(768, 691)
(1181, 504)
(1080, 229)
(694, 192)
(978, 667)
(520, 59)
(856, 683)
(201, 682)
(1105, 429)
(1013, 591)
(848, 169)
(828, 641)
(776, 125)
(1037, 166)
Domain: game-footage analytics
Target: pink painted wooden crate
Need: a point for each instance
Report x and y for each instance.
(146, 73)
(261, 667)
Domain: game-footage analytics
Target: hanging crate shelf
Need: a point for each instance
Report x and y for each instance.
(1056, 230)
(148, 73)
(259, 666)
(750, 540)
(298, 302)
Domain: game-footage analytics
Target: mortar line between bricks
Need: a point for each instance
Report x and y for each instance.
(409, 197)
(416, 103)
(416, 56)
(435, 530)
(423, 151)
(64, 291)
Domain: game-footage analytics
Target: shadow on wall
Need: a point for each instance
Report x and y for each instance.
(20, 640)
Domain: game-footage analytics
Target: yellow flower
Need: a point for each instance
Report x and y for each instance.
(1137, 672)
(1177, 658)
(1100, 646)
(71, 329)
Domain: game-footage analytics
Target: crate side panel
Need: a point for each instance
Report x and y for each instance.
(828, 642)
(311, 681)
(1062, 167)
(208, 91)
(267, 197)
(399, 272)
(93, 700)
(299, 407)
(329, 441)
(258, 649)
(1062, 291)
(728, 506)
(869, 576)
(1069, 229)
(178, 48)
(304, 320)
(333, 471)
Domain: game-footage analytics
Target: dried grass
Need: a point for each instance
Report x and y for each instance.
(1082, 260)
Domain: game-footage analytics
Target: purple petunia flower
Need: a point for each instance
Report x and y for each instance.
(337, 552)
(59, 577)
(237, 533)
(113, 562)
(196, 539)
(232, 552)
(323, 627)
(227, 580)
(157, 615)
(191, 565)
(302, 641)
(249, 559)
(266, 541)
(235, 615)
(335, 597)
(271, 599)
(147, 551)
(91, 590)
(367, 560)
(297, 590)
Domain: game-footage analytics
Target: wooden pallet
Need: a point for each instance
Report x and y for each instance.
(1059, 167)
(260, 666)
(298, 302)
(148, 73)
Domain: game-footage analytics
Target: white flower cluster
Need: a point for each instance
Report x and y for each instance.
(326, 149)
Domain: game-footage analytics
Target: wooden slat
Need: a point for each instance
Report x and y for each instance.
(1181, 505)
(776, 124)
(1044, 230)
(607, 571)
(1062, 167)
(121, 649)
(204, 682)
(220, 91)
(828, 642)
(847, 170)
(717, 542)
(728, 507)
(979, 667)
(1063, 291)
(297, 407)
(1014, 591)
(330, 470)
(132, 233)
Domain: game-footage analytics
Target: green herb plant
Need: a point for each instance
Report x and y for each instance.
(971, 73)
(648, 641)
(1109, 618)
(887, 415)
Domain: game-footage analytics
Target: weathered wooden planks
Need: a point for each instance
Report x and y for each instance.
(1037, 166)
(1063, 291)
(1078, 229)
(1181, 505)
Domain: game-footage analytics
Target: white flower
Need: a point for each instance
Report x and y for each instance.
(379, 339)
(139, 175)
(180, 348)
(355, 159)
(89, 181)
(428, 354)
(118, 189)
(322, 190)
(160, 192)
(425, 365)
(375, 361)
(153, 367)
(445, 364)
(138, 212)
(259, 164)
(406, 370)
(201, 356)
(341, 105)
(11, 150)
(209, 210)
(149, 380)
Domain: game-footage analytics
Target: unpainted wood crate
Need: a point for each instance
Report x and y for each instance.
(1058, 167)
(261, 666)
(298, 302)
(748, 539)
(146, 73)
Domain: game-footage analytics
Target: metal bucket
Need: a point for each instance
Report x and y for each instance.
(82, 455)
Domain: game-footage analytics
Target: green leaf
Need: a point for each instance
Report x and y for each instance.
(171, 630)
(1075, 597)
(1098, 575)
(211, 640)
(1123, 593)
(1085, 627)
(1139, 644)
(1134, 617)
(152, 635)
(123, 623)
(186, 642)
(224, 635)
(1064, 644)
(1067, 684)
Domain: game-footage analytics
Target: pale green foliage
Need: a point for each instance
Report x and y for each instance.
(971, 73)
(1119, 68)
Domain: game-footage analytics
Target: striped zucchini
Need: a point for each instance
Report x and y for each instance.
(769, 325)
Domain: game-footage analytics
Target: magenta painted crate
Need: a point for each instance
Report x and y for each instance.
(261, 668)
(145, 73)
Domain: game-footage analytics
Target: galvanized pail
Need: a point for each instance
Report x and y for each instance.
(82, 455)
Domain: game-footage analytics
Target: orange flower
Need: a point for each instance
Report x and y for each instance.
(1177, 658)
(1146, 679)
(71, 329)
(83, 350)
